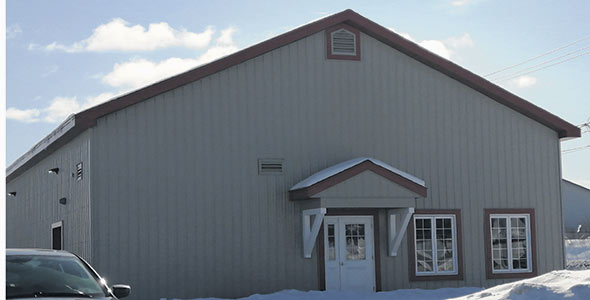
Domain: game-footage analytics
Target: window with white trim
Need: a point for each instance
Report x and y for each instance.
(435, 244)
(510, 243)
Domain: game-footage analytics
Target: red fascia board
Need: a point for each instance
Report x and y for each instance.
(349, 17)
(562, 127)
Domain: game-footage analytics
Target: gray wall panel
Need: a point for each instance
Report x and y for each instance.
(30, 214)
(176, 175)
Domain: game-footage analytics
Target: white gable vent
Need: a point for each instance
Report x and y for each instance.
(343, 42)
(270, 166)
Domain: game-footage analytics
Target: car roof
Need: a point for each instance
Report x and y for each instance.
(46, 252)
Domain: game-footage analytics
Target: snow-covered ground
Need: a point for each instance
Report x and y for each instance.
(577, 254)
(414, 294)
(563, 284)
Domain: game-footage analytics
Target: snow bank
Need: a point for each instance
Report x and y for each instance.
(577, 254)
(563, 284)
(556, 285)
(392, 295)
(577, 249)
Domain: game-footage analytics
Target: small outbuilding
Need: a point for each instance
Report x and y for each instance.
(576, 209)
(337, 156)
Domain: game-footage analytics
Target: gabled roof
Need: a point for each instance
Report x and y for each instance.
(86, 119)
(343, 171)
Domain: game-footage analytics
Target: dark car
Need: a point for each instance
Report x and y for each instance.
(55, 274)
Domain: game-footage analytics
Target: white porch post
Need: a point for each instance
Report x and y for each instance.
(398, 220)
(310, 232)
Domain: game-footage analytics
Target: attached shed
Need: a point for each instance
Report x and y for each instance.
(576, 209)
(338, 155)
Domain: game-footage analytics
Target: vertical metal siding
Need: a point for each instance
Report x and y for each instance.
(30, 214)
(176, 180)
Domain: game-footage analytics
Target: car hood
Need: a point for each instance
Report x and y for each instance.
(62, 298)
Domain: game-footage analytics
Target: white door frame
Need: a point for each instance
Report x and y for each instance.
(339, 270)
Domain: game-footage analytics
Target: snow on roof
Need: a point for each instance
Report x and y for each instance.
(335, 169)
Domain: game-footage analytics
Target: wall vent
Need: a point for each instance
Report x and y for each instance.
(79, 172)
(343, 42)
(270, 166)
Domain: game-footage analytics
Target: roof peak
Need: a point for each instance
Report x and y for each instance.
(87, 118)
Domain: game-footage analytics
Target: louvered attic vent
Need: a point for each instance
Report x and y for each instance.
(343, 42)
(270, 166)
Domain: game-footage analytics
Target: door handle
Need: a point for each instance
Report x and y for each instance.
(342, 264)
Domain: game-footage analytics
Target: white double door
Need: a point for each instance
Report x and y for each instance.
(349, 253)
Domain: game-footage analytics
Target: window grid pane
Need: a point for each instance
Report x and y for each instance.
(424, 253)
(355, 242)
(444, 245)
(331, 243)
(434, 243)
(509, 243)
(499, 244)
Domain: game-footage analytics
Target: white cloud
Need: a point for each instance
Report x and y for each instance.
(524, 81)
(98, 99)
(23, 115)
(437, 47)
(461, 41)
(61, 107)
(460, 2)
(140, 72)
(132, 74)
(58, 110)
(50, 70)
(444, 48)
(13, 31)
(119, 35)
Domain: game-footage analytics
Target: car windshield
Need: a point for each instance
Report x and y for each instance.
(49, 276)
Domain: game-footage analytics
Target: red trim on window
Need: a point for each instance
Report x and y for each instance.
(411, 249)
(357, 37)
(488, 245)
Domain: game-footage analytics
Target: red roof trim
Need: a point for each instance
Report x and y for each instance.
(87, 118)
(367, 165)
(563, 128)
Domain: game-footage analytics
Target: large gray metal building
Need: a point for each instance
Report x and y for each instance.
(338, 155)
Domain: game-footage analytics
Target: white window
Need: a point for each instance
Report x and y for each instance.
(435, 238)
(510, 243)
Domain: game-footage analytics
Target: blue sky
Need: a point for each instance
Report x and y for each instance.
(64, 56)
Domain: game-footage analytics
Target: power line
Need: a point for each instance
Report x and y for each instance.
(585, 126)
(571, 150)
(539, 69)
(538, 56)
(540, 64)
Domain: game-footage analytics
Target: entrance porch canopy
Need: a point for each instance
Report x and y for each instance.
(358, 183)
